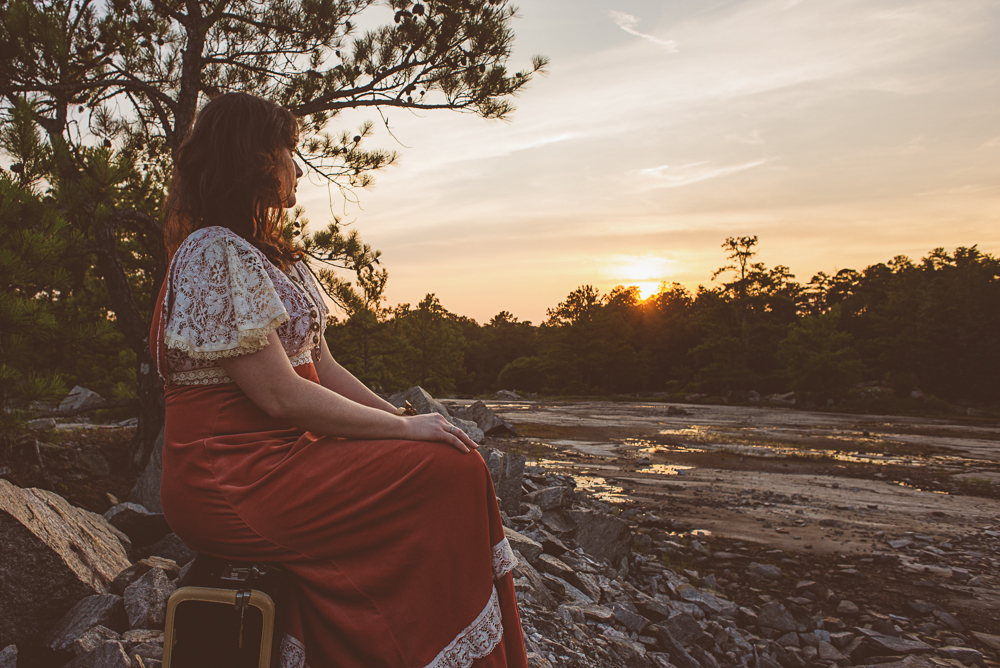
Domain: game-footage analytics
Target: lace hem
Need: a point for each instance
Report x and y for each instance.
(291, 653)
(216, 375)
(248, 341)
(503, 559)
(477, 640)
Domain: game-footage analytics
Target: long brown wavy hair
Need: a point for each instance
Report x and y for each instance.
(229, 172)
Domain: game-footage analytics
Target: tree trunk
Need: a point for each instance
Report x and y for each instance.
(134, 326)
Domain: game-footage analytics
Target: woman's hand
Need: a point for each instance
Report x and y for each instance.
(434, 427)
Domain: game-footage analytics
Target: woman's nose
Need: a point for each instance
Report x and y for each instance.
(298, 170)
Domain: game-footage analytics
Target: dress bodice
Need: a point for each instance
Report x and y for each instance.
(223, 297)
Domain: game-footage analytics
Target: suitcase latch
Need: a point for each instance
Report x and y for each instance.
(242, 601)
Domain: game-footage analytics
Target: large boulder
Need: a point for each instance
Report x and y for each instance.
(469, 427)
(421, 401)
(602, 536)
(53, 555)
(146, 492)
(105, 610)
(146, 600)
(488, 421)
(80, 397)
(508, 486)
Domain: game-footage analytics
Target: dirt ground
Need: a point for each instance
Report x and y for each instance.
(882, 508)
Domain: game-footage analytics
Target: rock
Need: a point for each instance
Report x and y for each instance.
(106, 610)
(900, 543)
(146, 600)
(558, 521)
(142, 636)
(631, 652)
(471, 429)
(921, 607)
(601, 536)
(846, 607)
(109, 654)
(92, 639)
(652, 609)
(633, 621)
(509, 486)
(421, 401)
(670, 645)
(525, 546)
(881, 645)
(146, 651)
(507, 395)
(991, 641)
(140, 525)
(136, 571)
(146, 491)
(773, 615)
(536, 585)
(548, 498)
(8, 657)
(949, 620)
(490, 422)
(53, 555)
(41, 424)
(684, 628)
(764, 571)
(80, 397)
(708, 602)
(966, 655)
(827, 652)
(550, 544)
(747, 618)
(173, 548)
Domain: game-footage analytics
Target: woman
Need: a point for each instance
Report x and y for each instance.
(274, 452)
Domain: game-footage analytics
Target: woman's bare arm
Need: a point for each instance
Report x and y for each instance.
(269, 380)
(334, 377)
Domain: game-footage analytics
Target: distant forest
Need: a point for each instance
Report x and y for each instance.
(899, 332)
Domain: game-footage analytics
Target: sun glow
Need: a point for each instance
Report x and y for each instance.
(646, 272)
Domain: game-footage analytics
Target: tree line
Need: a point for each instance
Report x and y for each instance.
(927, 329)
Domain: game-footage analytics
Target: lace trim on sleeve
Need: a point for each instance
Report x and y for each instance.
(224, 301)
(248, 341)
(503, 559)
(477, 640)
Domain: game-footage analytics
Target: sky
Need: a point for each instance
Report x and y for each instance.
(842, 134)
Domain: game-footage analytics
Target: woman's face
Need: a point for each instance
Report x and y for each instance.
(291, 173)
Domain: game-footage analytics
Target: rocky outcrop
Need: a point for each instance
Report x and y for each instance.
(54, 554)
(421, 401)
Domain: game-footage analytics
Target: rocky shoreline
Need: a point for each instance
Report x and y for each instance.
(599, 584)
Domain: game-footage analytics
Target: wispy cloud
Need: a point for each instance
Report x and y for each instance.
(666, 176)
(628, 23)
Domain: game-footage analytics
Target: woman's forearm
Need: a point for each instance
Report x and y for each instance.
(334, 377)
(271, 383)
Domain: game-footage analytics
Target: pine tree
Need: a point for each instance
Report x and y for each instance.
(131, 74)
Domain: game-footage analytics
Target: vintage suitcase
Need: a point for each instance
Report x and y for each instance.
(222, 616)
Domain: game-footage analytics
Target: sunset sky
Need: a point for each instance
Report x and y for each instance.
(841, 133)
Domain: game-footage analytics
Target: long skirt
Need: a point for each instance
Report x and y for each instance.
(396, 548)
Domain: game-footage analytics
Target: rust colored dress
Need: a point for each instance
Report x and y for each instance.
(396, 547)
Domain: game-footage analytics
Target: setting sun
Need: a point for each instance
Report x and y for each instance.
(646, 272)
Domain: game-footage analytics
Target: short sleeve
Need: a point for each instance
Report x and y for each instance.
(222, 302)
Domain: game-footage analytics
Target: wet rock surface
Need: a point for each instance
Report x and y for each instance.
(749, 564)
